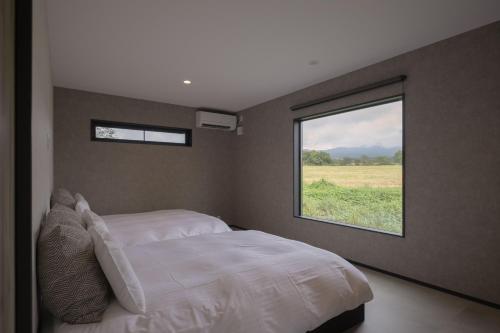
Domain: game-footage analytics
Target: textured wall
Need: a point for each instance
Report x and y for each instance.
(452, 131)
(125, 178)
(41, 130)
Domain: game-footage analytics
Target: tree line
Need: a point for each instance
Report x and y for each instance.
(315, 157)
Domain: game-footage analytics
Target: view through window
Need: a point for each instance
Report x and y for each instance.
(352, 167)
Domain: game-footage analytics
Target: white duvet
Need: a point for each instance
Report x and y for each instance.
(141, 228)
(234, 282)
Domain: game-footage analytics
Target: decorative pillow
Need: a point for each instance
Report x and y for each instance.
(64, 197)
(60, 214)
(81, 204)
(72, 284)
(117, 268)
(91, 219)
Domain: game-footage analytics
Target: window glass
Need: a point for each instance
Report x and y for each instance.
(165, 137)
(352, 168)
(111, 131)
(119, 133)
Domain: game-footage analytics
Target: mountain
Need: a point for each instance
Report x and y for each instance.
(357, 152)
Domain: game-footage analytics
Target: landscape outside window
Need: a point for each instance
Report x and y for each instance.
(352, 168)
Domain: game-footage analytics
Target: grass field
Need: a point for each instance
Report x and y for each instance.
(355, 176)
(366, 196)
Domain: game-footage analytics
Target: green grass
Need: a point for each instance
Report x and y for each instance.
(368, 206)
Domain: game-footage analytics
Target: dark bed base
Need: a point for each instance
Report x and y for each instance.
(343, 321)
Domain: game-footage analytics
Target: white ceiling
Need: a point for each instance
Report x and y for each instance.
(239, 53)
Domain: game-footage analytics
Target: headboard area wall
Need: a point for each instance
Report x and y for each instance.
(127, 177)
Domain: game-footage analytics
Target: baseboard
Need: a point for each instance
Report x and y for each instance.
(428, 285)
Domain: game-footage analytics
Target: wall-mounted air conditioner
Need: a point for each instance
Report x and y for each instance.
(213, 120)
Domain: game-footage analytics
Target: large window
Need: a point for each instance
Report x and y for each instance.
(111, 131)
(349, 166)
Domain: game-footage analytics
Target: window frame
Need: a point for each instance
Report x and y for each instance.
(142, 127)
(297, 162)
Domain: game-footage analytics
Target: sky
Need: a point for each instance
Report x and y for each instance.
(380, 125)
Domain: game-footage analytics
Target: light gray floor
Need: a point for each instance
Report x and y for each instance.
(400, 307)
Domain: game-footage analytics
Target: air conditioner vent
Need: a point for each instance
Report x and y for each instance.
(216, 126)
(213, 120)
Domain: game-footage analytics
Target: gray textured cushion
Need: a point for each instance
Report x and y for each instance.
(60, 214)
(63, 197)
(72, 284)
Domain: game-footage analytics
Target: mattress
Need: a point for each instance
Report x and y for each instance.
(235, 282)
(141, 228)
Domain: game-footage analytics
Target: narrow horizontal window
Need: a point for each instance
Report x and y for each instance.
(350, 166)
(110, 131)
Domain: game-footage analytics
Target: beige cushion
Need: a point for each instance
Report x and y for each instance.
(91, 219)
(63, 197)
(81, 204)
(72, 284)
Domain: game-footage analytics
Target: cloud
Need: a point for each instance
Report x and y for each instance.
(378, 125)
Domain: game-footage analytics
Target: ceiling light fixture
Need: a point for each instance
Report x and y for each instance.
(187, 82)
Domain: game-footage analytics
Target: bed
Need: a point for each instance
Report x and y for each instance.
(142, 228)
(238, 282)
(187, 272)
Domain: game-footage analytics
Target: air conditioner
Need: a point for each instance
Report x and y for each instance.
(213, 120)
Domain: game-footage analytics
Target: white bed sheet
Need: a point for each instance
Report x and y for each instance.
(141, 228)
(234, 282)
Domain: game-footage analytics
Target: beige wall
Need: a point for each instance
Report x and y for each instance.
(125, 178)
(42, 131)
(452, 111)
(7, 283)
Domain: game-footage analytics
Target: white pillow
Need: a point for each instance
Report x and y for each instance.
(91, 219)
(81, 204)
(118, 271)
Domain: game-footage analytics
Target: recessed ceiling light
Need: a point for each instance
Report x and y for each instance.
(187, 82)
